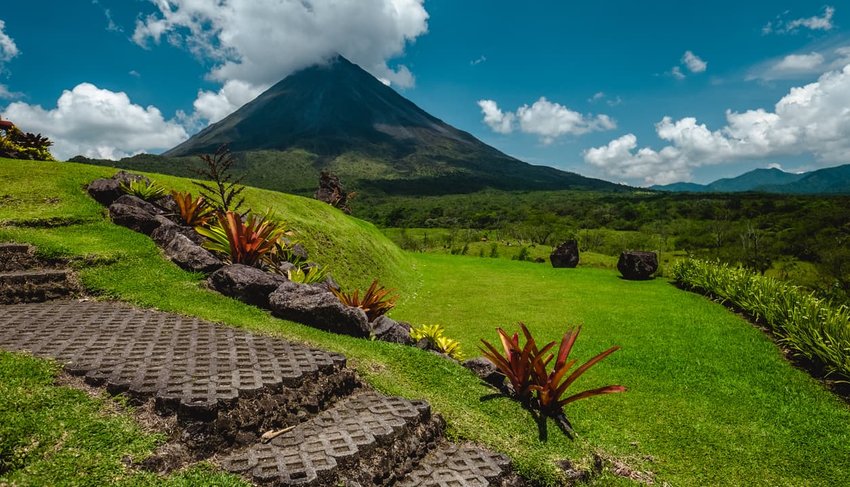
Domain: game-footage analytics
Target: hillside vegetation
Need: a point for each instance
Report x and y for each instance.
(711, 399)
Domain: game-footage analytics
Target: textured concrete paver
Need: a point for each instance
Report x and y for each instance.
(459, 466)
(187, 364)
(347, 438)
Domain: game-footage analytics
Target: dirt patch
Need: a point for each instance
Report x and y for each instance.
(592, 467)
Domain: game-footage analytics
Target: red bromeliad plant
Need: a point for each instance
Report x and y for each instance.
(193, 211)
(517, 362)
(551, 386)
(526, 369)
(248, 242)
(376, 301)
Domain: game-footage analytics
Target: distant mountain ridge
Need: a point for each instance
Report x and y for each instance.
(340, 118)
(830, 180)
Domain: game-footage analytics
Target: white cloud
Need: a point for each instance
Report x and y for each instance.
(677, 73)
(545, 119)
(599, 95)
(97, 123)
(6, 94)
(258, 42)
(498, 121)
(818, 22)
(476, 62)
(801, 64)
(213, 106)
(8, 48)
(692, 62)
(809, 120)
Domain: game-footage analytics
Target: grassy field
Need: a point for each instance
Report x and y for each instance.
(710, 401)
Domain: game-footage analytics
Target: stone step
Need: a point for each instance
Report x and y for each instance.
(16, 257)
(367, 439)
(29, 286)
(226, 386)
(452, 465)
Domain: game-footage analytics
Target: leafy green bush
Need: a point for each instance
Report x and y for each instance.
(313, 275)
(812, 327)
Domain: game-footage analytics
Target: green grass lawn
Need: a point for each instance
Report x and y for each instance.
(711, 401)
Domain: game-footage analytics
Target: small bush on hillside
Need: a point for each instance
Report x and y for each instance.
(523, 254)
(16, 144)
(435, 334)
(376, 301)
(224, 190)
(494, 250)
(148, 191)
(811, 326)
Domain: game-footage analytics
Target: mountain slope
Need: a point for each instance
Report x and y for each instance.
(827, 180)
(339, 117)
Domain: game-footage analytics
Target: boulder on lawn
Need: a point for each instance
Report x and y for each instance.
(637, 265)
(486, 371)
(135, 218)
(317, 307)
(245, 283)
(389, 330)
(132, 200)
(106, 191)
(190, 256)
(163, 235)
(565, 255)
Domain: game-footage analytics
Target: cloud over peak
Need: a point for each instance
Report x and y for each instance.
(259, 42)
(543, 118)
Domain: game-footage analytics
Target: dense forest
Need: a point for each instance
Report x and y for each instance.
(804, 239)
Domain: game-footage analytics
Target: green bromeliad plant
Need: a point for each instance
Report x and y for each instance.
(250, 241)
(146, 190)
(527, 368)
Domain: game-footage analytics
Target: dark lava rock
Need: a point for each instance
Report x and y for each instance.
(317, 307)
(163, 235)
(565, 255)
(245, 283)
(134, 218)
(191, 256)
(131, 200)
(486, 371)
(637, 265)
(390, 330)
(127, 177)
(106, 191)
(331, 192)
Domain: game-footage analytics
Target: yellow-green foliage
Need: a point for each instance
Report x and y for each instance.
(148, 191)
(435, 334)
(32, 146)
(811, 326)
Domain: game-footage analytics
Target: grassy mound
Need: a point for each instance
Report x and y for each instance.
(38, 194)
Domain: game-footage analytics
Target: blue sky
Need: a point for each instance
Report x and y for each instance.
(621, 90)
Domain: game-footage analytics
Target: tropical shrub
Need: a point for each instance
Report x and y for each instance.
(435, 334)
(148, 191)
(812, 327)
(194, 212)
(376, 301)
(248, 242)
(17, 144)
(224, 190)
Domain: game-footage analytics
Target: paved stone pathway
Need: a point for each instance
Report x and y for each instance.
(227, 387)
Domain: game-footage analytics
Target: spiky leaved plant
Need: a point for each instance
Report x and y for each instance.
(224, 191)
(247, 242)
(376, 301)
